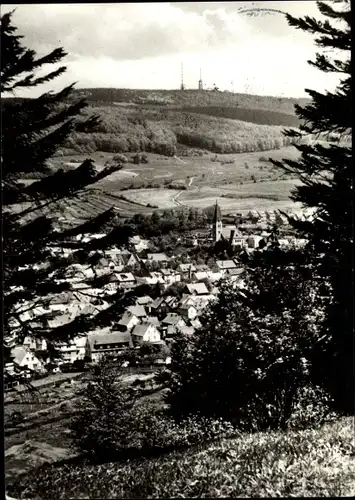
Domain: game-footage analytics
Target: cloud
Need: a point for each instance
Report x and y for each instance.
(135, 31)
(142, 45)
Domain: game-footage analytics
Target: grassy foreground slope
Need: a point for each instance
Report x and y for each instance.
(306, 463)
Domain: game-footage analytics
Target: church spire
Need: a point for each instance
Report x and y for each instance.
(217, 223)
(217, 213)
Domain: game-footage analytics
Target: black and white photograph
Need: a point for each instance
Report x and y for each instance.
(177, 250)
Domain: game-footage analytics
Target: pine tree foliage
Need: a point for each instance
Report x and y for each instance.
(326, 172)
(32, 131)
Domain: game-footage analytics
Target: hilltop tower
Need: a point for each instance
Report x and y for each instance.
(182, 86)
(217, 223)
(200, 82)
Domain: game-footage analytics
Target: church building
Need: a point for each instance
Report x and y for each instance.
(229, 232)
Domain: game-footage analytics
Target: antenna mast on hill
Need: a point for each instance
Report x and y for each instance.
(182, 86)
(200, 82)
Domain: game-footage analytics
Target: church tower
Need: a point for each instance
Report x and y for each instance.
(217, 223)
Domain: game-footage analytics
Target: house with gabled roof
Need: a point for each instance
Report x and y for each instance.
(153, 320)
(158, 257)
(144, 301)
(162, 305)
(130, 259)
(76, 349)
(226, 264)
(196, 288)
(137, 310)
(113, 343)
(187, 311)
(171, 323)
(234, 274)
(199, 275)
(24, 358)
(187, 299)
(186, 270)
(145, 332)
(127, 322)
(174, 319)
(138, 243)
(125, 280)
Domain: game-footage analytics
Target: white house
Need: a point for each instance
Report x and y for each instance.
(76, 349)
(35, 344)
(25, 358)
(145, 333)
(128, 321)
(253, 241)
(188, 311)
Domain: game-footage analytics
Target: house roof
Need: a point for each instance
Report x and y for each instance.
(124, 277)
(142, 329)
(146, 299)
(186, 306)
(157, 302)
(187, 267)
(199, 288)
(162, 257)
(81, 341)
(189, 330)
(200, 275)
(60, 320)
(137, 310)
(201, 267)
(126, 318)
(172, 319)
(62, 298)
(134, 239)
(100, 331)
(110, 338)
(18, 353)
(226, 264)
(235, 272)
(170, 300)
(153, 320)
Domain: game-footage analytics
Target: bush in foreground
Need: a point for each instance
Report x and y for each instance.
(113, 423)
(300, 463)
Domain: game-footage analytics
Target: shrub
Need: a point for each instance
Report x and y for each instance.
(120, 158)
(103, 412)
(312, 408)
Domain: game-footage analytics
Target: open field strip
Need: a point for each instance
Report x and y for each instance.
(163, 198)
(250, 203)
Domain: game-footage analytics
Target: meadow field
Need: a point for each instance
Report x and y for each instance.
(237, 181)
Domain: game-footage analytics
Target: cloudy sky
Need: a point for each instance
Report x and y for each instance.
(130, 45)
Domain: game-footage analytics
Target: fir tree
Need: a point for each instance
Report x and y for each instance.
(32, 131)
(325, 169)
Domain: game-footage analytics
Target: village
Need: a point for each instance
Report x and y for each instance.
(180, 292)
